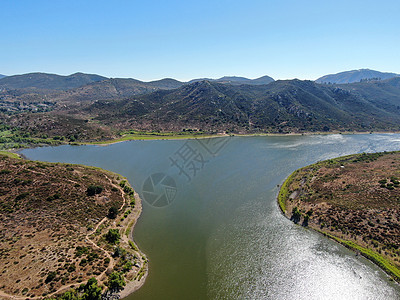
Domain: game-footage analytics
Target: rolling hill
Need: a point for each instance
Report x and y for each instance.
(78, 87)
(235, 80)
(114, 89)
(355, 76)
(48, 81)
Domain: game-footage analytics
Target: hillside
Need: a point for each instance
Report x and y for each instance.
(48, 88)
(48, 81)
(281, 106)
(355, 76)
(50, 231)
(101, 110)
(2, 76)
(354, 199)
(237, 80)
(115, 88)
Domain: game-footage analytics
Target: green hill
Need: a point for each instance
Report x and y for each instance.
(355, 76)
(48, 81)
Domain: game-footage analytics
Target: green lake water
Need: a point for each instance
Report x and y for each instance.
(220, 234)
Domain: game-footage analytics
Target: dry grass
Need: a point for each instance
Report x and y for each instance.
(349, 201)
(46, 219)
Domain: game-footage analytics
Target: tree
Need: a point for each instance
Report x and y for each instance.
(296, 215)
(94, 189)
(50, 277)
(112, 236)
(112, 212)
(70, 295)
(91, 291)
(115, 281)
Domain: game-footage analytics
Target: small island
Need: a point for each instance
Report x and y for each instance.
(66, 232)
(354, 200)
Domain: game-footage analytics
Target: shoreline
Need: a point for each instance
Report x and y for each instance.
(220, 135)
(385, 265)
(133, 285)
(193, 137)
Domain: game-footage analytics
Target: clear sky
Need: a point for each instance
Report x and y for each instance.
(191, 39)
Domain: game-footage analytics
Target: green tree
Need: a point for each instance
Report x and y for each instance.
(70, 295)
(115, 281)
(112, 236)
(91, 291)
(94, 189)
(112, 212)
(296, 215)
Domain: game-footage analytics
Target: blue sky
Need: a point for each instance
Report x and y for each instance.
(191, 39)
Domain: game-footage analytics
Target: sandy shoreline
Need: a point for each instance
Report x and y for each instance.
(178, 137)
(134, 285)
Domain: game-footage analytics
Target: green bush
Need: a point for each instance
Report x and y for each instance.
(94, 189)
(115, 281)
(21, 196)
(112, 236)
(91, 290)
(50, 277)
(112, 212)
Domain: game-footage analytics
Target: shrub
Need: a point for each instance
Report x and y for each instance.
(91, 290)
(81, 250)
(112, 212)
(71, 268)
(127, 266)
(112, 236)
(115, 281)
(50, 277)
(296, 215)
(21, 196)
(94, 189)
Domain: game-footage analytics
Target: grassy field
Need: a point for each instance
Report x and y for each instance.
(9, 154)
(144, 135)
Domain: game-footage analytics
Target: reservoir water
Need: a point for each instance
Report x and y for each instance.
(211, 226)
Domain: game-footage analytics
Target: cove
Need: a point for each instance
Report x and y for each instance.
(220, 234)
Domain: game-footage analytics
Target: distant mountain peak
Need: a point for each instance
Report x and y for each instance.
(238, 80)
(355, 76)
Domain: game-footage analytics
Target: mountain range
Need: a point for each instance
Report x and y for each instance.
(111, 87)
(2, 76)
(238, 80)
(355, 76)
(281, 106)
(232, 104)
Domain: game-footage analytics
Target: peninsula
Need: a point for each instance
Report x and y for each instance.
(352, 199)
(66, 229)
